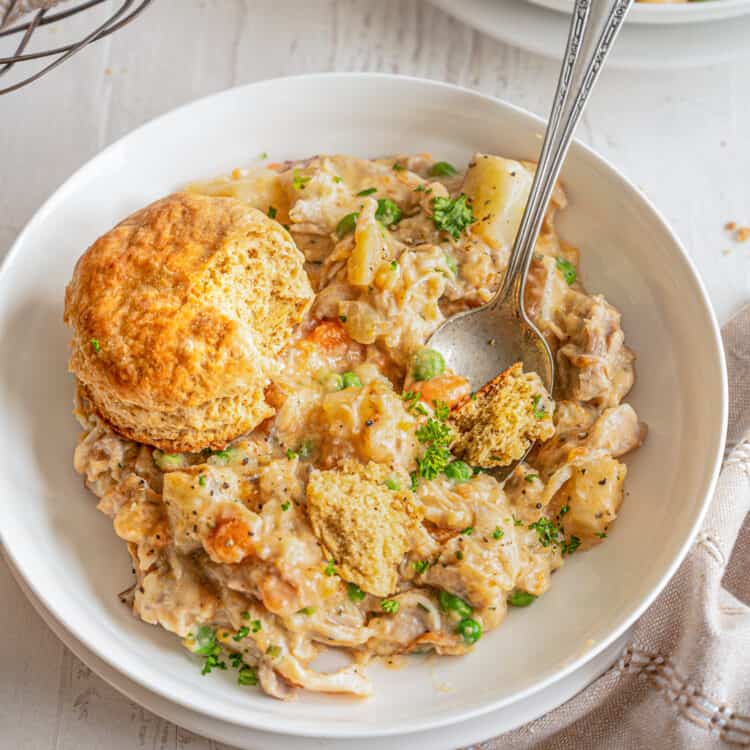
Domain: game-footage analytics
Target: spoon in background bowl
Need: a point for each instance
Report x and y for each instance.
(482, 342)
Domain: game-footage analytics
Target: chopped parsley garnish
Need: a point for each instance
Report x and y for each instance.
(459, 555)
(388, 212)
(517, 521)
(202, 480)
(547, 531)
(347, 225)
(531, 477)
(498, 533)
(434, 461)
(307, 611)
(243, 632)
(394, 265)
(468, 531)
(398, 167)
(338, 179)
(420, 409)
(330, 569)
(256, 626)
(95, 345)
(207, 647)
(520, 599)
(245, 615)
(263, 155)
(567, 269)
(290, 454)
(298, 181)
(342, 318)
(442, 169)
(452, 215)
(414, 476)
(450, 261)
(391, 606)
(563, 510)
(410, 396)
(421, 565)
(601, 534)
(272, 212)
(434, 431)
(442, 411)
(273, 651)
(538, 408)
(285, 506)
(569, 547)
(437, 435)
(367, 191)
(392, 483)
(354, 592)
(305, 449)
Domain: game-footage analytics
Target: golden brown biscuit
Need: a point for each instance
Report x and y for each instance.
(178, 314)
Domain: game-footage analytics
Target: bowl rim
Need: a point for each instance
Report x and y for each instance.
(665, 14)
(24, 560)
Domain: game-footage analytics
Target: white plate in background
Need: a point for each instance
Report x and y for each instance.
(638, 47)
(67, 552)
(669, 13)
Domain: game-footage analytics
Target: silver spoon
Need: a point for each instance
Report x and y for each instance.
(482, 342)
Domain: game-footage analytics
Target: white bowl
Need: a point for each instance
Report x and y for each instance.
(712, 10)
(71, 559)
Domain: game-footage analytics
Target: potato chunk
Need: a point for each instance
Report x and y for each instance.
(497, 189)
(364, 525)
(593, 495)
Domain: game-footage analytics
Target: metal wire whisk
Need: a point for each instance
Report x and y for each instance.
(124, 15)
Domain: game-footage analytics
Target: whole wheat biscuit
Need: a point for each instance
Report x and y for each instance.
(178, 315)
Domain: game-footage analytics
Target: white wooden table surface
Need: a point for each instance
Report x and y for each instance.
(683, 137)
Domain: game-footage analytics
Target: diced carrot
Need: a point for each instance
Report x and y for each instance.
(229, 541)
(330, 335)
(449, 389)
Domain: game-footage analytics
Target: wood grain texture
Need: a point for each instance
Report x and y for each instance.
(681, 136)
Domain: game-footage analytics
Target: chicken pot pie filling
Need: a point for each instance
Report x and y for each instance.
(361, 514)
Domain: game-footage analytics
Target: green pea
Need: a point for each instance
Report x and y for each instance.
(354, 592)
(392, 483)
(470, 630)
(442, 169)
(459, 471)
(452, 603)
(331, 381)
(222, 458)
(347, 224)
(351, 380)
(167, 461)
(520, 599)
(388, 212)
(427, 363)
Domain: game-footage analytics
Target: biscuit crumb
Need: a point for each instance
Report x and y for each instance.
(365, 526)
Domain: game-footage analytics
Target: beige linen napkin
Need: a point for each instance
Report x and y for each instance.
(684, 680)
(12, 10)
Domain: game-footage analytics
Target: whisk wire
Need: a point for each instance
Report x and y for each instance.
(122, 16)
